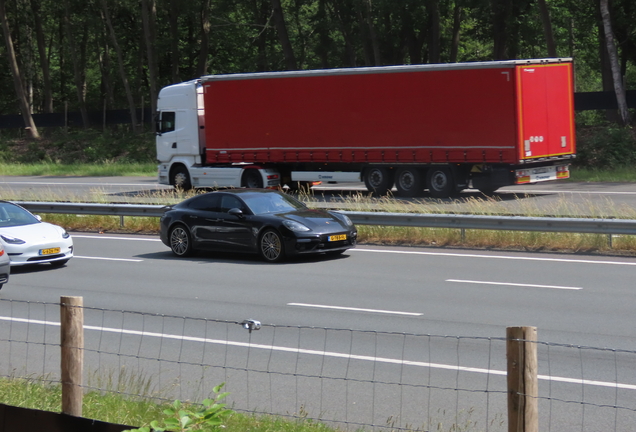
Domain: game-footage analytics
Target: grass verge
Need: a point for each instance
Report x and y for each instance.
(110, 169)
(134, 411)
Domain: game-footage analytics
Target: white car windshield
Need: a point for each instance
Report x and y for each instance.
(12, 215)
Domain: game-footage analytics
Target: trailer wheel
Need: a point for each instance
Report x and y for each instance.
(252, 179)
(440, 182)
(378, 180)
(409, 182)
(181, 178)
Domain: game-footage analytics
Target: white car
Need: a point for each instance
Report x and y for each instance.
(5, 266)
(28, 240)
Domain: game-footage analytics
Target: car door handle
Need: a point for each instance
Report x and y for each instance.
(194, 217)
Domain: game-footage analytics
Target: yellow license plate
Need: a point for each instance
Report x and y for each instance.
(338, 237)
(49, 251)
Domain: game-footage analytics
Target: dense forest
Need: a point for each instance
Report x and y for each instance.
(85, 55)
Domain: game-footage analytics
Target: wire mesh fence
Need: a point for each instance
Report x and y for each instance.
(347, 378)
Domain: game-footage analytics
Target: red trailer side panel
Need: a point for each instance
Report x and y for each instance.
(463, 115)
(546, 110)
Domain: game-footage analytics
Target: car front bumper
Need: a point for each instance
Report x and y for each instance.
(30, 254)
(320, 244)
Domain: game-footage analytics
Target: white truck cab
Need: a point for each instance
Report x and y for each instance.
(181, 145)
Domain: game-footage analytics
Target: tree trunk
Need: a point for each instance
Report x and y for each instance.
(457, 23)
(547, 28)
(149, 16)
(44, 61)
(77, 72)
(283, 36)
(501, 13)
(433, 31)
(29, 124)
(202, 68)
(619, 89)
(261, 9)
(377, 60)
(345, 29)
(324, 41)
(174, 40)
(120, 61)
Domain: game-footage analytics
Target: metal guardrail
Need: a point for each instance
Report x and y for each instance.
(462, 222)
(139, 210)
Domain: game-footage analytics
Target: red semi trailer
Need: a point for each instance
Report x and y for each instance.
(443, 127)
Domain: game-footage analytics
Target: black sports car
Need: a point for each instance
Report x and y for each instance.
(268, 222)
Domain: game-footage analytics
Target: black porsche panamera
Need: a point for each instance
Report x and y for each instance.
(264, 221)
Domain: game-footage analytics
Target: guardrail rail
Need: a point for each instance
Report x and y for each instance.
(462, 222)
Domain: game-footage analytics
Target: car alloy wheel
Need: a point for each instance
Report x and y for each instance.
(180, 242)
(271, 246)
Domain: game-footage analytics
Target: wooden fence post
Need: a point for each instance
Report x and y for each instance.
(523, 387)
(72, 343)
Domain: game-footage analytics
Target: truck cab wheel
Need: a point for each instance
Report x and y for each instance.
(440, 182)
(409, 182)
(181, 178)
(252, 179)
(378, 181)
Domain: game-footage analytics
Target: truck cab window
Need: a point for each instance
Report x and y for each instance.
(166, 121)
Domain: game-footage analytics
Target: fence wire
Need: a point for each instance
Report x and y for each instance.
(347, 378)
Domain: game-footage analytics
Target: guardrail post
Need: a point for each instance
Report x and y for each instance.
(72, 344)
(523, 386)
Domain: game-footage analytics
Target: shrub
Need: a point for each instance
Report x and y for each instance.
(605, 147)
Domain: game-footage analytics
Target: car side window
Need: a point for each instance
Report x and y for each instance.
(229, 202)
(209, 203)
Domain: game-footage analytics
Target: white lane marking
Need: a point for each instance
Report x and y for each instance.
(108, 259)
(514, 284)
(101, 237)
(327, 354)
(354, 309)
(575, 261)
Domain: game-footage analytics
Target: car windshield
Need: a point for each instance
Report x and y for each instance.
(262, 203)
(12, 215)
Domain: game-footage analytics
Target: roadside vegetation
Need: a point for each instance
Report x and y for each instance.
(114, 407)
(605, 153)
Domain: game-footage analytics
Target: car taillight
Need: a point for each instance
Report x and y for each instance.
(272, 177)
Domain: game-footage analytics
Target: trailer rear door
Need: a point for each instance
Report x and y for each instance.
(545, 106)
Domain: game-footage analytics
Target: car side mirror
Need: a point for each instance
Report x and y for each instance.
(236, 212)
(38, 217)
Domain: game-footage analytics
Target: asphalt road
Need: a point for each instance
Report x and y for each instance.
(469, 296)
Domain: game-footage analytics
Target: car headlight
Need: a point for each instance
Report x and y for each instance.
(12, 240)
(65, 234)
(295, 226)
